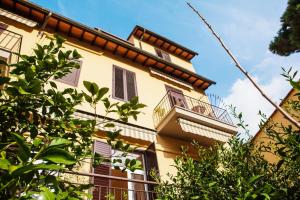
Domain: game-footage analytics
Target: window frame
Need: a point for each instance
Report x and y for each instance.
(124, 83)
(77, 75)
(163, 53)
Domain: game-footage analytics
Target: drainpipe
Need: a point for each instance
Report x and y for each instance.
(41, 31)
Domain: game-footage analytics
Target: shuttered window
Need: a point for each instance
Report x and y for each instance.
(72, 78)
(124, 84)
(163, 55)
(101, 184)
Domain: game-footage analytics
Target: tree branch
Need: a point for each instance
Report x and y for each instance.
(237, 64)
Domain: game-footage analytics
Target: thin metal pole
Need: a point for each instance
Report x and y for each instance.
(237, 64)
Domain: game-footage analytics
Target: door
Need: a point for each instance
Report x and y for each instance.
(150, 164)
(176, 97)
(131, 190)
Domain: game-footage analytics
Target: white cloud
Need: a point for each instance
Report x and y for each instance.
(246, 98)
(248, 32)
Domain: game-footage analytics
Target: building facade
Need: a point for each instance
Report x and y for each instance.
(152, 67)
(276, 117)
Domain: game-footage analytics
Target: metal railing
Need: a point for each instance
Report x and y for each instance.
(11, 43)
(113, 187)
(173, 99)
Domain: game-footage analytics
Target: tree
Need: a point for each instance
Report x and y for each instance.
(39, 135)
(238, 170)
(288, 39)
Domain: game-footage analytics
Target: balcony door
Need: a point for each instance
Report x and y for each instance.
(106, 188)
(176, 97)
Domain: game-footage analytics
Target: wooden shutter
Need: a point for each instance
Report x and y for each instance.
(124, 84)
(159, 53)
(150, 163)
(131, 85)
(72, 78)
(166, 56)
(118, 83)
(105, 150)
(162, 54)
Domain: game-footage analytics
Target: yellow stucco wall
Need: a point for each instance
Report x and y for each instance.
(277, 117)
(97, 67)
(174, 59)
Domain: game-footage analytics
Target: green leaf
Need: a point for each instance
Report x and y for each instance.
(212, 184)
(37, 142)
(101, 93)
(58, 155)
(267, 197)
(4, 80)
(47, 194)
(295, 85)
(29, 168)
(4, 164)
(61, 55)
(87, 97)
(59, 142)
(58, 39)
(254, 178)
(91, 87)
(35, 87)
(24, 150)
(76, 55)
(109, 125)
(53, 84)
(22, 91)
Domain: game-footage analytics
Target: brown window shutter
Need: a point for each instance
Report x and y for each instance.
(166, 56)
(150, 164)
(118, 83)
(159, 53)
(101, 185)
(131, 85)
(163, 55)
(72, 78)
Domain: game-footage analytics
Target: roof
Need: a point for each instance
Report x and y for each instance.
(162, 42)
(105, 41)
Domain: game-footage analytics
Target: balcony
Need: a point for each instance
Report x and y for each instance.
(10, 43)
(187, 118)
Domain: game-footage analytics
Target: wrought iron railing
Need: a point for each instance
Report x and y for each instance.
(11, 43)
(173, 99)
(114, 188)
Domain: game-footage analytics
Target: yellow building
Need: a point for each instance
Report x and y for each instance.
(277, 117)
(152, 67)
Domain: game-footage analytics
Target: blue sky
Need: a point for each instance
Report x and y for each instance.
(247, 27)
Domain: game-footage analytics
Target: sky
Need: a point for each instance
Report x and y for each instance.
(246, 27)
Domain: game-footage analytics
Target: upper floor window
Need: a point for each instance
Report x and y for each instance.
(124, 84)
(162, 54)
(72, 78)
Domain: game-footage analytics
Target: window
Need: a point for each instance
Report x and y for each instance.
(72, 78)
(124, 84)
(131, 189)
(163, 55)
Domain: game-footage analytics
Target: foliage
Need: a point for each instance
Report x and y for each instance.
(288, 39)
(238, 170)
(39, 135)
